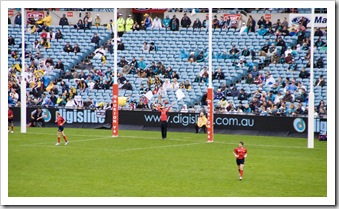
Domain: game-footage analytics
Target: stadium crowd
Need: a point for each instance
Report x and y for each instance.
(275, 96)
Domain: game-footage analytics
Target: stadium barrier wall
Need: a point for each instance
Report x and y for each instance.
(223, 123)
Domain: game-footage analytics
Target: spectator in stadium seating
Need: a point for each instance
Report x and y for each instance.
(63, 21)
(121, 46)
(174, 24)
(257, 80)
(17, 20)
(261, 22)
(58, 35)
(247, 109)
(79, 25)
(82, 85)
(97, 20)
(185, 21)
(87, 25)
(242, 95)
(175, 84)
(127, 86)
(141, 63)
(167, 84)
(277, 25)
(262, 31)
(264, 50)
(285, 32)
(175, 75)
(11, 41)
(245, 52)
(293, 32)
(51, 35)
(318, 32)
(205, 22)
(43, 34)
(288, 97)
(160, 69)
(129, 23)
(95, 39)
(291, 87)
(122, 62)
(99, 53)
(249, 24)
(142, 73)
(215, 22)
(152, 47)
(268, 24)
(88, 17)
(320, 81)
(302, 96)
(234, 91)
(158, 81)
(270, 32)
(319, 63)
(218, 74)
(321, 105)
(156, 23)
(141, 105)
(200, 57)
(197, 24)
(191, 57)
(281, 43)
(249, 78)
(187, 85)
(133, 66)
(45, 44)
(320, 42)
(68, 47)
(145, 47)
(234, 52)
(47, 19)
(60, 66)
(166, 22)
(76, 48)
(147, 21)
(303, 73)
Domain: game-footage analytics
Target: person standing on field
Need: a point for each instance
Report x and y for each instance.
(201, 123)
(60, 121)
(240, 153)
(10, 120)
(163, 120)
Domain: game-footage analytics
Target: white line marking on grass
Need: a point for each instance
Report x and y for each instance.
(175, 139)
(93, 139)
(119, 150)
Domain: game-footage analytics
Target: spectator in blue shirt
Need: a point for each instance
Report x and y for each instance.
(166, 21)
(141, 63)
(292, 87)
(17, 20)
(219, 94)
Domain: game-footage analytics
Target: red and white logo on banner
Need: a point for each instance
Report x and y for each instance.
(268, 16)
(10, 13)
(210, 115)
(232, 16)
(36, 14)
(115, 111)
(69, 14)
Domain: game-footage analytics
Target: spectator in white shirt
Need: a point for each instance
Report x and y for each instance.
(278, 98)
(167, 84)
(269, 80)
(157, 23)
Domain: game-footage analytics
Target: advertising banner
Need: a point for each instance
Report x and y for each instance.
(10, 13)
(149, 10)
(320, 20)
(180, 120)
(35, 14)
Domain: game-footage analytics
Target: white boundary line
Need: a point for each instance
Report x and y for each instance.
(174, 139)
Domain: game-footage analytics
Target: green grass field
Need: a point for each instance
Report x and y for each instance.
(140, 164)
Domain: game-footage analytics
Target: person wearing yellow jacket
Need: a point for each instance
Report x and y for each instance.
(121, 25)
(47, 19)
(129, 23)
(201, 123)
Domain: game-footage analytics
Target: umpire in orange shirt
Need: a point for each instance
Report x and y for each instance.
(163, 120)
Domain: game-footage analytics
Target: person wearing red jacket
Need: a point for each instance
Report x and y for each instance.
(163, 120)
